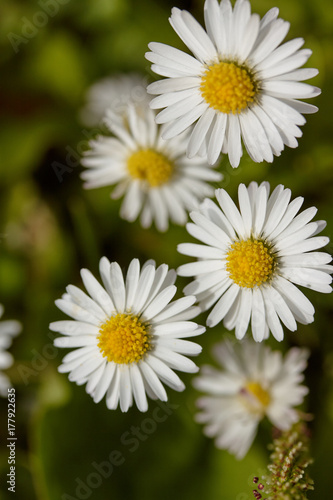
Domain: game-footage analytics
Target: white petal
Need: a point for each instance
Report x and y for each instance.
(310, 278)
(178, 306)
(165, 373)
(199, 132)
(223, 305)
(172, 54)
(216, 138)
(260, 210)
(125, 388)
(230, 210)
(271, 131)
(113, 392)
(76, 312)
(118, 287)
(159, 210)
(177, 126)
(272, 318)
(97, 292)
(138, 387)
(104, 382)
(245, 309)
(181, 346)
(75, 341)
(132, 279)
(179, 109)
(201, 251)
(80, 298)
(193, 35)
(160, 302)
(173, 85)
(290, 90)
(74, 328)
(274, 37)
(86, 368)
(214, 24)
(175, 360)
(281, 308)
(234, 140)
(258, 317)
(143, 289)
(153, 381)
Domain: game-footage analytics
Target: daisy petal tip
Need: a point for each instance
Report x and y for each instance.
(210, 323)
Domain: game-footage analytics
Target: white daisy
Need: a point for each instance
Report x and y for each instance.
(156, 177)
(252, 257)
(128, 335)
(254, 382)
(8, 330)
(113, 92)
(241, 83)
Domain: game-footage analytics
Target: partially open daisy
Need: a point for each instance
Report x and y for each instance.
(254, 382)
(113, 92)
(241, 83)
(8, 330)
(128, 334)
(253, 257)
(156, 177)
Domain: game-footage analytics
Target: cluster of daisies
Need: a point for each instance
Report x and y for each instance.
(128, 335)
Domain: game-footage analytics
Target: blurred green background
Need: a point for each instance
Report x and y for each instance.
(51, 229)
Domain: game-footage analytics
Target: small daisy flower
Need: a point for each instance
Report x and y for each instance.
(240, 84)
(128, 335)
(254, 382)
(113, 92)
(155, 176)
(8, 330)
(253, 257)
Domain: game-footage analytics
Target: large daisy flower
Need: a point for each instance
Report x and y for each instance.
(8, 330)
(254, 382)
(128, 336)
(113, 92)
(241, 83)
(253, 257)
(155, 175)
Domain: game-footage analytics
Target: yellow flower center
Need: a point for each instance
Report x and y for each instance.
(123, 339)
(256, 390)
(227, 87)
(150, 166)
(250, 263)
(255, 397)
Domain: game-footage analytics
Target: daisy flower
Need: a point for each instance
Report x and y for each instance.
(128, 335)
(253, 257)
(155, 175)
(113, 92)
(254, 382)
(8, 330)
(240, 84)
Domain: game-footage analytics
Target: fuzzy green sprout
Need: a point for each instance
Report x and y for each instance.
(287, 478)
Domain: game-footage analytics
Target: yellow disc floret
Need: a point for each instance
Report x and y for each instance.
(124, 339)
(257, 391)
(254, 397)
(250, 263)
(228, 87)
(151, 166)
